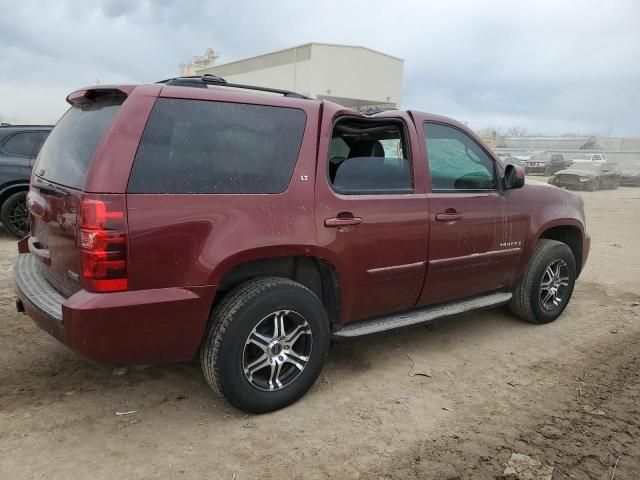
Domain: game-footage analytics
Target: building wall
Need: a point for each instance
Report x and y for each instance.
(545, 143)
(356, 76)
(625, 151)
(291, 76)
(357, 73)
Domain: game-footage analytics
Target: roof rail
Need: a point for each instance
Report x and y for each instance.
(203, 81)
(25, 125)
(373, 110)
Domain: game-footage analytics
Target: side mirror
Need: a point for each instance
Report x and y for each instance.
(513, 177)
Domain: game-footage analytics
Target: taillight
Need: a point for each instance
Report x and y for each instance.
(102, 239)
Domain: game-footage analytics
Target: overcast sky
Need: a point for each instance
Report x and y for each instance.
(548, 66)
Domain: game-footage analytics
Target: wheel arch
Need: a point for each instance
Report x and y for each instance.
(11, 188)
(314, 272)
(571, 235)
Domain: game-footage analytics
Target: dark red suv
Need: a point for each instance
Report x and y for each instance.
(195, 216)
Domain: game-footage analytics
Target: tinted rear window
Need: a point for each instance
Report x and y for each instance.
(194, 146)
(67, 152)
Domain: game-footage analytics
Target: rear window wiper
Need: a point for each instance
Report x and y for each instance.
(50, 189)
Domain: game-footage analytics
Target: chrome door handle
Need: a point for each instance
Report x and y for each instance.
(448, 216)
(342, 221)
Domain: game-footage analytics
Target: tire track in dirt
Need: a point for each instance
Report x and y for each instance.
(594, 423)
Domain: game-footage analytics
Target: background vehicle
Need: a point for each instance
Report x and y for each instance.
(19, 147)
(590, 157)
(545, 163)
(588, 176)
(525, 157)
(509, 159)
(250, 228)
(630, 178)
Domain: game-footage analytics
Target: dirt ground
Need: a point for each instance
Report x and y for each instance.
(566, 394)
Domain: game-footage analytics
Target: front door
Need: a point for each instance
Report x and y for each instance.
(372, 215)
(467, 251)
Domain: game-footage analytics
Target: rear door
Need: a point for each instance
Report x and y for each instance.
(55, 197)
(16, 155)
(467, 251)
(371, 212)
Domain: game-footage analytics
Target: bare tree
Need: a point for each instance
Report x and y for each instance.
(515, 132)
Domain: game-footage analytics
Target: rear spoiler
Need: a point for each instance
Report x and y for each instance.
(91, 94)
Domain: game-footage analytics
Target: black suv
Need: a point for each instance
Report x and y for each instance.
(19, 147)
(546, 163)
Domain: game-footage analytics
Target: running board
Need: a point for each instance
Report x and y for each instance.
(422, 315)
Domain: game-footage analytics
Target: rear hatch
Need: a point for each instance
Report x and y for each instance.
(56, 197)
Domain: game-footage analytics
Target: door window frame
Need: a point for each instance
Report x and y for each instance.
(406, 145)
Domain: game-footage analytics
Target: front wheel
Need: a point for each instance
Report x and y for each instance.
(546, 287)
(593, 185)
(266, 344)
(14, 215)
(616, 183)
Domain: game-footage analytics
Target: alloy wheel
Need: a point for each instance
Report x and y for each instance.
(554, 285)
(277, 350)
(18, 218)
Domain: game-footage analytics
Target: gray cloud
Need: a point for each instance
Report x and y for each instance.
(119, 8)
(549, 66)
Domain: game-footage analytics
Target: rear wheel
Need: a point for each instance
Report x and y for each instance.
(546, 287)
(14, 215)
(266, 344)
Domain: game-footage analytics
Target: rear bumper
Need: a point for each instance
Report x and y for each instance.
(134, 327)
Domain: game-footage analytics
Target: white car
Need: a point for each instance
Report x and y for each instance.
(590, 157)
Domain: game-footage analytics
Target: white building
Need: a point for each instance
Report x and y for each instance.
(356, 77)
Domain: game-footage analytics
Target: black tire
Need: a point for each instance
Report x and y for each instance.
(14, 215)
(527, 301)
(224, 349)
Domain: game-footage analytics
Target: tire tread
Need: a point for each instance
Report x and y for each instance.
(222, 316)
(520, 304)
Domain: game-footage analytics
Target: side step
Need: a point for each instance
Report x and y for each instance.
(422, 315)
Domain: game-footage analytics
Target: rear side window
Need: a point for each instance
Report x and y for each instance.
(194, 146)
(67, 152)
(21, 144)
